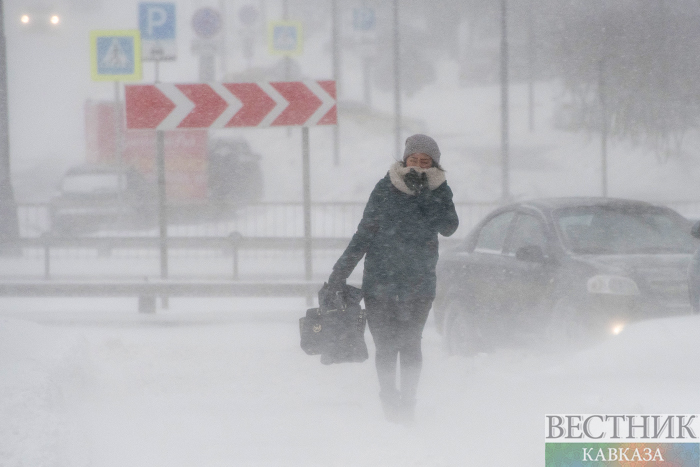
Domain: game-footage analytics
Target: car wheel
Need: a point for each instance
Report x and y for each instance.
(695, 303)
(462, 334)
(568, 327)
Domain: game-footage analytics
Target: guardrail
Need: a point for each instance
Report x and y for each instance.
(285, 219)
(270, 219)
(147, 291)
(232, 244)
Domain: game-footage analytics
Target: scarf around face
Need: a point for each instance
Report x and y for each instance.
(397, 171)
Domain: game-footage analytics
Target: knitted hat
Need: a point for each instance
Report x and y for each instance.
(422, 144)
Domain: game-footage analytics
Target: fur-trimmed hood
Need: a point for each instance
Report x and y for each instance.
(397, 171)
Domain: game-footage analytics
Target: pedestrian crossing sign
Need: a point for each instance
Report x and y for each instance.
(285, 38)
(115, 55)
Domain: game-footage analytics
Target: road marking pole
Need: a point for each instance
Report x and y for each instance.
(308, 255)
(162, 210)
(162, 205)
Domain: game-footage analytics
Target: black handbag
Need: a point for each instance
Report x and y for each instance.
(336, 329)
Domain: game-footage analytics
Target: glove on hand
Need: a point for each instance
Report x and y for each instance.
(424, 183)
(332, 295)
(335, 282)
(416, 182)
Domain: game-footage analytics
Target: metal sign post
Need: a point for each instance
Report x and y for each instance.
(9, 223)
(398, 146)
(364, 25)
(248, 15)
(308, 258)
(603, 128)
(505, 157)
(207, 24)
(336, 73)
(118, 135)
(162, 204)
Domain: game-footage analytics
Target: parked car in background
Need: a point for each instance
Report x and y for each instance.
(235, 176)
(694, 273)
(567, 270)
(93, 197)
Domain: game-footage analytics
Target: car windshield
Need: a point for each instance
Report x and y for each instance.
(623, 230)
(92, 183)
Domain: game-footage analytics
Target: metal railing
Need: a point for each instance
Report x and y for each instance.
(230, 245)
(271, 226)
(147, 286)
(285, 219)
(270, 219)
(147, 291)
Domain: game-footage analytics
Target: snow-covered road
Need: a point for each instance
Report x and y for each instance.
(184, 388)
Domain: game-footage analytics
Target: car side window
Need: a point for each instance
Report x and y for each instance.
(493, 234)
(528, 231)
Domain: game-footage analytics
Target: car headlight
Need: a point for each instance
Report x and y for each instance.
(617, 328)
(612, 285)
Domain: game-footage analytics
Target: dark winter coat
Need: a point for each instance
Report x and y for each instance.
(398, 235)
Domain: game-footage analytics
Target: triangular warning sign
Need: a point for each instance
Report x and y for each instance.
(115, 56)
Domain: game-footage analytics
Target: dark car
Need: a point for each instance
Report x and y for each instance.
(235, 176)
(562, 270)
(694, 273)
(93, 197)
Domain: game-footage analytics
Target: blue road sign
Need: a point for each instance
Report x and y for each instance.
(157, 21)
(285, 37)
(248, 15)
(115, 55)
(157, 26)
(206, 22)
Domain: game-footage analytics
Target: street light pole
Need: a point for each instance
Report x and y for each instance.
(397, 81)
(603, 128)
(531, 65)
(9, 224)
(336, 75)
(505, 161)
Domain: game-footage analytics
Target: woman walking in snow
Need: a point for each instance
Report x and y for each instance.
(398, 235)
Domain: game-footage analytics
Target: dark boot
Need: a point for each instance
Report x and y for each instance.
(391, 405)
(407, 411)
(388, 394)
(410, 375)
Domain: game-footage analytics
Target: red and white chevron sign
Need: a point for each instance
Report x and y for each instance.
(228, 105)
